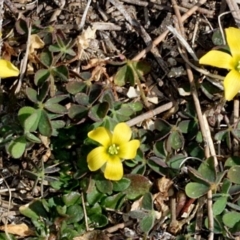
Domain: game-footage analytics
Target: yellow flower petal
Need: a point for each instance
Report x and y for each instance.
(129, 149)
(7, 69)
(97, 158)
(233, 36)
(101, 135)
(114, 169)
(218, 59)
(121, 134)
(231, 84)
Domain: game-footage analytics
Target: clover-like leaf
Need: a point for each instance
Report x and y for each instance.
(219, 205)
(196, 190)
(75, 213)
(41, 76)
(31, 123)
(121, 185)
(32, 94)
(46, 58)
(163, 127)
(61, 72)
(147, 201)
(146, 224)
(175, 140)
(71, 198)
(45, 127)
(233, 174)
(77, 112)
(124, 74)
(75, 87)
(17, 147)
(231, 218)
(98, 111)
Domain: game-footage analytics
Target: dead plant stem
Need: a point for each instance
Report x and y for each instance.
(203, 125)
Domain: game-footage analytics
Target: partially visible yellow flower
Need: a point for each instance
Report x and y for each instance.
(114, 148)
(230, 62)
(7, 69)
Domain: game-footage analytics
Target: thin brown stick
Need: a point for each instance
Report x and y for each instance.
(118, 226)
(203, 124)
(150, 114)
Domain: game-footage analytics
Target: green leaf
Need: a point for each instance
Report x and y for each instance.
(24, 113)
(95, 209)
(56, 124)
(163, 127)
(207, 170)
(99, 220)
(233, 174)
(55, 108)
(176, 161)
(75, 213)
(231, 161)
(231, 218)
(43, 91)
(147, 202)
(123, 75)
(98, 111)
(75, 87)
(94, 196)
(219, 205)
(137, 214)
(32, 95)
(197, 177)
(61, 72)
(121, 185)
(82, 99)
(188, 126)
(221, 135)
(32, 138)
(104, 185)
(140, 66)
(34, 210)
(54, 48)
(146, 224)
(159, 149)
(31, 123)
(44, 126)
(175, 140)
(196, 190)
(71, 198)
(17, 147)
(77, 112)
(3, 236)
(56, 99)
(136, 106)
(46, 58)
(114, 201)
(226, 186)
(41, 76)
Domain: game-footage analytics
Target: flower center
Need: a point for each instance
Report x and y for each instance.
(113, 149)
(238, 66)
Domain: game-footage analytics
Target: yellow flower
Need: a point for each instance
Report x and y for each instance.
(114, 147)
(7, 69)
(231, 62)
